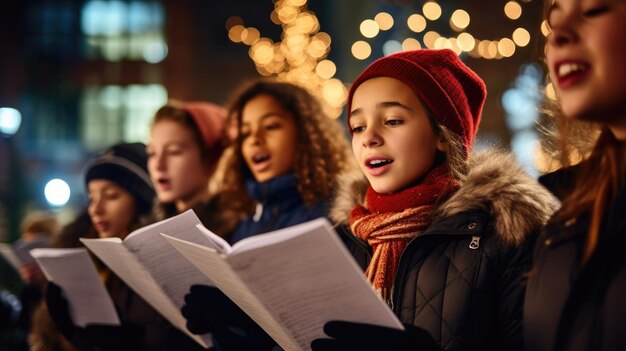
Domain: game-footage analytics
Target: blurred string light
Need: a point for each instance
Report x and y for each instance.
(301, 56)
(391, 46)
(459, 21)
(431, 10)
(10, 120)
(513, 10)
(369, 28)
(521, 104)
(361, 50)
(545, 29)
(550, 92)
(57, 192)
(385, 21)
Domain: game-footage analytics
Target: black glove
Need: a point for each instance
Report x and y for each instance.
(365, 337)
(207, 309)
(93, 336)
(59, 310)
(114, 337)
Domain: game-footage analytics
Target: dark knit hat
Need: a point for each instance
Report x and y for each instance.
(126, 165)
(211, 121)
(451, 91)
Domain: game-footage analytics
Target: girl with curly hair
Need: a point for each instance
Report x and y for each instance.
(284, 165)
(286, 159)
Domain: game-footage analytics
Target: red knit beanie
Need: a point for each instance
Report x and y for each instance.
(211, 121)
(451, 91)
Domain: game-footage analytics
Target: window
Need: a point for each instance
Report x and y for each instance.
(117, 30)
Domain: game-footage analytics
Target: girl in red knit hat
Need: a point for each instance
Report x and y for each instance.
(282, 171)
(444, 238)
(576, 289)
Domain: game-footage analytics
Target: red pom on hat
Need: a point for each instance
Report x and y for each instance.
(451, 91)
(211, 121)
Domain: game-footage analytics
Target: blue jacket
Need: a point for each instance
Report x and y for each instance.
(279, 205)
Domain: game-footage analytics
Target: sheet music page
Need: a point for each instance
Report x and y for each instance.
(302, 276)
(74, 271)
(173, 272)
(126, 266)
(309, 279)
(6, 250)
(215, 267)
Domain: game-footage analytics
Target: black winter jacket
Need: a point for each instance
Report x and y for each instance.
(569, 307)
(463, 278)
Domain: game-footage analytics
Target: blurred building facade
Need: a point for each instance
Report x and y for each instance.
(86, 74)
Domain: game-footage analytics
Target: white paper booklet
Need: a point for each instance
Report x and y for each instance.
(291, 281)
(17, 253)
(74, 271)
(154, 269)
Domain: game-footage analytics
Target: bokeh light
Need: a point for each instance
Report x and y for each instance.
(459, 20)
(521, 37)
(545, 28)
(411, 44)
(430, 38)
(384, 20)
(326, 69)
(416, 23)
(361, 50)
(465, 42)
(369, 28)
(550, 92)
(431, 10)
(506, 47)
(57, 192)
(391, 46)
(513, 10)
(10, 120)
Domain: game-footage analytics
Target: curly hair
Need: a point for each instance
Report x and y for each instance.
(322, 151)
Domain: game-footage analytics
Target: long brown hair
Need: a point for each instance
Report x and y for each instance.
(322, 151)
(600, 173)
(596, 184)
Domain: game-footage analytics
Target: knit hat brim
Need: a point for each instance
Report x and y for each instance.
(451, 91)
(125, 164)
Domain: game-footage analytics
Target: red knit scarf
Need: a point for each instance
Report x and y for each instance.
(390, 221)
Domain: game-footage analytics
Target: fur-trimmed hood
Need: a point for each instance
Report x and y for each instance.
(494, 183)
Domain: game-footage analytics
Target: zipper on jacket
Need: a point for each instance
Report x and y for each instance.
(475, 243)
(258, 212)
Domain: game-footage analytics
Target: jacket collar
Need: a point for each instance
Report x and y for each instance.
(559, 182)
(280, 190)
(495, 184)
